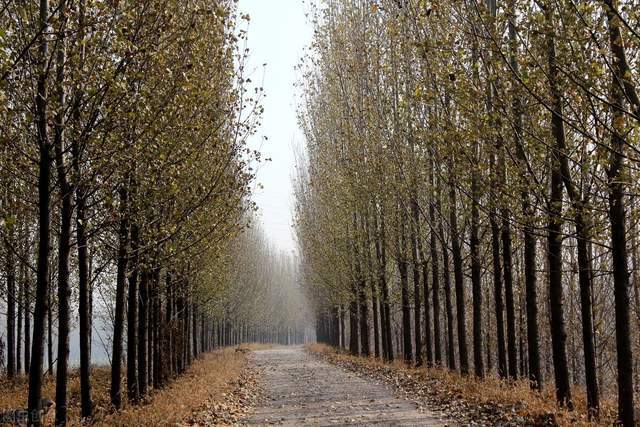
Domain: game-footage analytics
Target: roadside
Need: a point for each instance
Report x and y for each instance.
(468, 400)
(217, 389)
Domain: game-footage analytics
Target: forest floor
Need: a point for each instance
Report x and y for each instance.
(467, 400)
(218, 389)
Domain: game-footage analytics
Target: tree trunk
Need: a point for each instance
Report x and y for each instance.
(132, 319)
(458, 276)
(528, 214)
(26, 299)
(64, 239)
(142, 333)
(121, 277)
(415, 267)
(44, 196)
(558, 333)
(451, 354)
(497, 293)
(353, 324)
(404, 288)
(385, 309)
(428, 338)
(508, 294)
(618, 220)
(11, 307)
(435, 279)
(50, 359)
(20, 302)
(82, 244)
(585, 273)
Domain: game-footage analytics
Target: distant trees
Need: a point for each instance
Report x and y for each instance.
(495, 141)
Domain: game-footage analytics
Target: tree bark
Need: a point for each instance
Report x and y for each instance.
(497, 293)
(435, 279)
(44, 196)
(446, 273)
(404, 287)
(385, 309)
(558, 333)
(64, 239)
(618, 221)
(26, 300)
(10, 272)
(82, 244)
(132, 319)
(121, 276)
(528, 214)
(142, 332)
(415, 267)
(458, 276)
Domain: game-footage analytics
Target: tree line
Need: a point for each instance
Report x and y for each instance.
(468, 194)
(126, 175)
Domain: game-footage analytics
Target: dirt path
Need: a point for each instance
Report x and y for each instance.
(300, 389)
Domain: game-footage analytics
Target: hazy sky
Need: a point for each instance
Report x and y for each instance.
(278, 33)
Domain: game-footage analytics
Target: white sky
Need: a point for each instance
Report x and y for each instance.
(278, 32)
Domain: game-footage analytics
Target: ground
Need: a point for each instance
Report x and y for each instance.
(215, 388)
(318, 385)
(301, 389)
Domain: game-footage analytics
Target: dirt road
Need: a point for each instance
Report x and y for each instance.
(300, 389)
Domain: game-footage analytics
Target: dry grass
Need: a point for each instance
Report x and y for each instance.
(510, 401)
(208, 378)
(255, 346)
(14, 393)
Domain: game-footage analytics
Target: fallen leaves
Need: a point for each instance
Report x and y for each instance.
(233, 405)
(467, 400)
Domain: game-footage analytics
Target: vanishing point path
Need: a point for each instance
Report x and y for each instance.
(300, 390)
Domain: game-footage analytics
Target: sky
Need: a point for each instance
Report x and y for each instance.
(278, 32)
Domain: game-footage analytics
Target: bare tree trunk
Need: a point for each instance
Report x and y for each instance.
(451, 354)
(497, 293)
(372, 282)
(585, 273)
(20, 302)
(404, 287)
(458, 276)
(385, 309)
(415, 267)
(132, 319)
(618, 220)
(428, 338)
(50, 359)
(353, 324)
(11, 306)
(26, 300)
(142, 332)
(507, 264)
(558, 333)
(475, 277)
(83, 258)
(435, 276)
(64, 239)
(44, 196)
(121, 277)
(529, 242)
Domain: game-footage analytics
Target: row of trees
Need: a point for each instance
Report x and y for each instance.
(468, 194)
(263, 300)
(126, 174)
